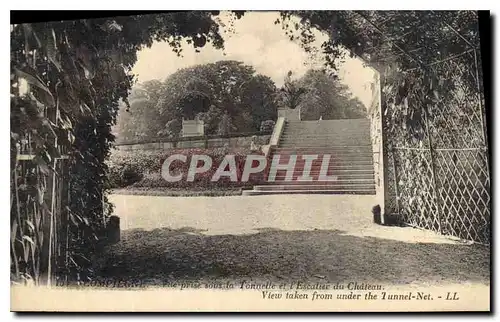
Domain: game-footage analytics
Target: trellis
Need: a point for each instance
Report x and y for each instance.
(440, 179)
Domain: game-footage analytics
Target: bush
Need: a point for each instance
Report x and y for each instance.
(130, 175)
(267, 126)
(143, 169)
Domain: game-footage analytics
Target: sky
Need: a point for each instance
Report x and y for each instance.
(258, 42)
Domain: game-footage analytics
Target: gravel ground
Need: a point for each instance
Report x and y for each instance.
(296, 237)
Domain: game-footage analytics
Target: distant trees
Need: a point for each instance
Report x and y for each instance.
(142, 121)
(227, 92)
(326, 97)
(229, 96)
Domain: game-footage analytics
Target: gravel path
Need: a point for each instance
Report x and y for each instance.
(306, 237)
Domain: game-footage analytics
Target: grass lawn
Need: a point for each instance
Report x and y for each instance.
(169, 192)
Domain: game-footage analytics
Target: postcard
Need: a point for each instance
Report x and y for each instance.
(250, 161)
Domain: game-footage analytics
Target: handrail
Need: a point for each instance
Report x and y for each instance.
(275, 136)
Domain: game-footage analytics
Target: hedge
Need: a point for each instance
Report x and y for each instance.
(143, 170)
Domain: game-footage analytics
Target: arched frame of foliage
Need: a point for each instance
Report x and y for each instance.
(78, 71)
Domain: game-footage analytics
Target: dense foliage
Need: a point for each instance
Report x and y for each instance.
(76, 72)
(227, 95)
(230, 98)
(326, 97)
(407, 48)
(143, 170)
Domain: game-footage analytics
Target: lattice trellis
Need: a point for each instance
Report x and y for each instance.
(440, 180)
(416, 194)
(464, 193)
(451, 191)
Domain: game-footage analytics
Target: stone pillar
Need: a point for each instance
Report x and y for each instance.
(379, 147)
(113, 230)
(290, 114)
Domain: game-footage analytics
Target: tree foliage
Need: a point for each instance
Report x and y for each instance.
(326, 97)
(292, 92)
(76, 72)
(407, 48)
(208, 92)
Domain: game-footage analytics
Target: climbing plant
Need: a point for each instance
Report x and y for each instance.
(67, 78)
(403, 46)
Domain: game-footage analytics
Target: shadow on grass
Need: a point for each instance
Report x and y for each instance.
(165, 254)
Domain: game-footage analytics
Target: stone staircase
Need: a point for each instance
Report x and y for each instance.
(349, 171)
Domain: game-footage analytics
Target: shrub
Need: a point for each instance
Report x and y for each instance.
(143, 170)
(130, 174)
(267, 126)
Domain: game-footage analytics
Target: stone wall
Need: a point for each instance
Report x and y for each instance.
(375, 115)
(196, 142)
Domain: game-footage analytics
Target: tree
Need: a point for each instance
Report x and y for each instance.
(326, 97)
(259, 95)
(211, 119)
(291, 93)
(141, 120)
(225, 125)
(172, 129)
(207, 92)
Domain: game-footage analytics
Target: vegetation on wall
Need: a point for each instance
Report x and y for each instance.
(402, 46)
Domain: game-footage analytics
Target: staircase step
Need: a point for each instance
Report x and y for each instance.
(329, 140)
(332, 171)
(363, 164)
(327, 150)
(317, 144)
(335, 167)
(348, 177)
(337, 158)
(348, 142)
(358, 120)
(319, 133)
(331, 184)
(316, 132)
(302, 192)
(331, 147)
(300, 186)
(335, 136)
(351, 174)
(291, 150)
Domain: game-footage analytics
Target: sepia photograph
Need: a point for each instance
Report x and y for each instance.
(250, 161)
